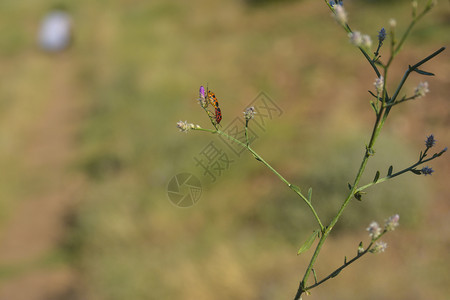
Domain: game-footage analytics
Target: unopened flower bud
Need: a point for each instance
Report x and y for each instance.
(430, 4)
(392, 24)
(427, 171)
(430, 141)
(381, 35)
(360, 248)
(202, 97)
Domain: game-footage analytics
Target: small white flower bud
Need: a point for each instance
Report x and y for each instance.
(392, 23)
(379, 247)
(421, 89)
(185, 126)
(249, 113)
(392, 222)
(340, 14)
(374, 230)
(379, 82)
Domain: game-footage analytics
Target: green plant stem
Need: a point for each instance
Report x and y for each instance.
(246, 134)
(379, 122)
(411, 69)
(369, 149)
(259, 158)
(338, 270)
(383, 179)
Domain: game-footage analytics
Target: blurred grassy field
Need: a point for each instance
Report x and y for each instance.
(88, 144)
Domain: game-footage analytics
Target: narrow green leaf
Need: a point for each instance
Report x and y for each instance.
(315, 276)
(370, 92)
(345, 260)
(336, 273)
(422, 72)
(295, 188)
(374, 106)
(415, 171)
(309, 195)
(391, 168)
(306, 245)
(377, 176)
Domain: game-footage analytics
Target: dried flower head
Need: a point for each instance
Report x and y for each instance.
(421, 89)
(374, 230)
(392, 222)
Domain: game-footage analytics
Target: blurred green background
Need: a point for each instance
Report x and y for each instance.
(88, 144)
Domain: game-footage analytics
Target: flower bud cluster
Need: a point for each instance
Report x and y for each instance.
(379, 83)
(249, 113)
(340, 15)
(375, 232)
(392, 222)
(185, 126)
(202, 97)
(421, 89)
(379, 247)
(360, 40)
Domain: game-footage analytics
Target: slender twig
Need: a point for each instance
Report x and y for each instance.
(405, 170)
(259, 158)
